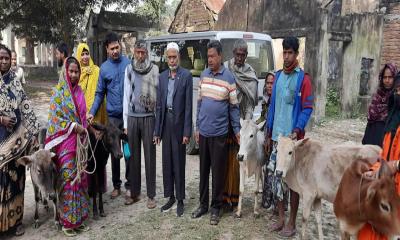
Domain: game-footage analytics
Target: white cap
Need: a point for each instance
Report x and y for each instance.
(173, 45)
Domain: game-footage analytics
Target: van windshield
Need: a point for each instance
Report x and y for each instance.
(259, 54)
(194, 55)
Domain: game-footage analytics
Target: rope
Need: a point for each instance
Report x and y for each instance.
(82, 150)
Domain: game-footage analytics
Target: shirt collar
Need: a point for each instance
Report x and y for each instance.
(220, 71)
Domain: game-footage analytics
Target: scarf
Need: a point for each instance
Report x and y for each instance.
(88, 83)
(378, 109)
(148, 96)
(64, 110)
(246, 82)
(291, 68)
(393, 119)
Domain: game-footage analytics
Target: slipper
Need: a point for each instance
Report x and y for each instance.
(287, 233)
(82, 228)
(276, 227)
(69, 232)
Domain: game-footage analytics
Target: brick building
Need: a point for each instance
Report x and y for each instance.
(391, 32)
(196, 15)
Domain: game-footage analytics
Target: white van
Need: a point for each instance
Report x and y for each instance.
(193, 51)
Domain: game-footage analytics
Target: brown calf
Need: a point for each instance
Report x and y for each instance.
(362, 199)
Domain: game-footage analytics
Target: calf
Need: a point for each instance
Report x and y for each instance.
(251, 159)
(314, 170)
(44, 179)
(361, 199)
(109, 142)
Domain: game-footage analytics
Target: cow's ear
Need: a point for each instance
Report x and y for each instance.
(303, 142)
(53, 156)
(98, 126)
(384, 170)
(261, 125)
(371, 193)
(25, 161)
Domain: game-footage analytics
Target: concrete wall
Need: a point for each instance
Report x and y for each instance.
(359, 6)
(366, 43)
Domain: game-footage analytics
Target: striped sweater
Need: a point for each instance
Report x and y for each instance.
(217, 104)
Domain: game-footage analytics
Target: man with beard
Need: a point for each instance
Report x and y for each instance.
(139, 106)
(111, 84)
(174, 126)
(19, 72)
(61, 53)
(290, 109)
(246, 79)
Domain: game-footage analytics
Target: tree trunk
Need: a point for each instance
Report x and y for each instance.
(30, 51)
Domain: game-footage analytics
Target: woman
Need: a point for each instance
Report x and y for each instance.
(67, 122)
(88, 83)
(378, 109)
(390, 152)
(18, 128)
(267, 186)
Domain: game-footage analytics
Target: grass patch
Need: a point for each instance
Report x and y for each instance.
(332, 107)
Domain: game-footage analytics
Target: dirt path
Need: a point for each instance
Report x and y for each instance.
(138, 222)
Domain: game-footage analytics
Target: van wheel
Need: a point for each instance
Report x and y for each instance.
(192, 148)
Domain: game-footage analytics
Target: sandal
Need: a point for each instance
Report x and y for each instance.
(287, 233)
(69, 232)
(82, 228)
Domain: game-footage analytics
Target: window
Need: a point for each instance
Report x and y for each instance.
(193, 55)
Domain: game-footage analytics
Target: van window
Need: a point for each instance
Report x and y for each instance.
(259, 54)
(193, 55)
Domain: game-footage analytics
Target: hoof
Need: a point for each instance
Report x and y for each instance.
(35, 225)
(58, 225)
(238, 215)
(96, 216)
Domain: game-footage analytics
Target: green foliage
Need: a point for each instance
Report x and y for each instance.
(332, 108)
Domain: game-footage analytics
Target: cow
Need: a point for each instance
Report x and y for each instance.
(251, 159)
(108, 142)
(44, 178)
(362, 198)
(314, 170)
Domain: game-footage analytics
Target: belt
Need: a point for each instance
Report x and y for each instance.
(169, 110)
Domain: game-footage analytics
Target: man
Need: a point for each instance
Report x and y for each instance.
(246, 79)
(247, 83)
(217, 106)
(19, 72)
(174, 126)
(111, 84)
(140, 97)
(61, 53)
(289, 112)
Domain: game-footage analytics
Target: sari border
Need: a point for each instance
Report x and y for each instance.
(59, 137)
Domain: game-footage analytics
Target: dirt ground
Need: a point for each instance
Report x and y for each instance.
(138, 222)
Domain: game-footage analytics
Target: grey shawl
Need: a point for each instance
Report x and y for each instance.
(247, 85)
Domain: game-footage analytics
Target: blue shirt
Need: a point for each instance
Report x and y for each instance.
(217, 103)
(111, 85)
(171, 84)
(284, 102)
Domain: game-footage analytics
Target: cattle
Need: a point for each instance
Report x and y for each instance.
(314, 170)
(44, 180)
(362, 198)
(251, 159)
(109, 143)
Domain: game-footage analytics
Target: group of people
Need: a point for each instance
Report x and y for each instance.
(152, 107)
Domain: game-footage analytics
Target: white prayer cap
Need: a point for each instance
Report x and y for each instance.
(173, 45)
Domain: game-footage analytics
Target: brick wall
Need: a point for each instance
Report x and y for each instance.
(391, 35)
(192, 15)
